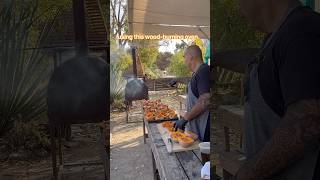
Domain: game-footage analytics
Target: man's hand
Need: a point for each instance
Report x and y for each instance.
(299, 128)
(180, 124)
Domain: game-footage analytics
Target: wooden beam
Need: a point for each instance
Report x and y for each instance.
(234, 60)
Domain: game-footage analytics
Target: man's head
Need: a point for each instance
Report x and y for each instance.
(193, 57)
(264, 14)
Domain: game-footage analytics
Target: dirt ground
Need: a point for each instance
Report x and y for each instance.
(130, 157)
(84, 147)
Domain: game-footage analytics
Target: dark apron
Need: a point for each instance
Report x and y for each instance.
(198, 124)
(260, 121)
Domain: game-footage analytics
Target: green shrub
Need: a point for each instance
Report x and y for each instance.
(27, 135)
(23, 73)
(177, 66)
(117, 84)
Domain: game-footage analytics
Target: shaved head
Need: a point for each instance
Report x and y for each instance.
(193, 57)
(195, 51)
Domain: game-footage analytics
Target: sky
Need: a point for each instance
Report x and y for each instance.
(170, 47)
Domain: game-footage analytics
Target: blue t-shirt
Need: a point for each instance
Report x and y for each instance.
(200, 81)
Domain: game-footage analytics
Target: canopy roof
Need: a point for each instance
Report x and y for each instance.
(169, 17)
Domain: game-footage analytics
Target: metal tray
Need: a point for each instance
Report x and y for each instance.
(162, 120)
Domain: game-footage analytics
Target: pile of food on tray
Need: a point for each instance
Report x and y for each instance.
(185, 139)
(155, 110)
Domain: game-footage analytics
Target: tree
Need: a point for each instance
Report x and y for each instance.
(181, 45)
(24, 74)
(148, 53)
(119, 19)
(163, 60)
(231, 30)
(200, 43)
(177, 66)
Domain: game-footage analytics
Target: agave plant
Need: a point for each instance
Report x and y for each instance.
(23, 74)
(117, 83)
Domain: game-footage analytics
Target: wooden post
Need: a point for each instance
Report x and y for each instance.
(80, 31)
(226, 139)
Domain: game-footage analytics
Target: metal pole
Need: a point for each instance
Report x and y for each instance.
(81, 44)
(134, 65)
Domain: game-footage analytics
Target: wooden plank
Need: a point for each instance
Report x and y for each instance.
(197, 153)
(230, 116)
(231, 161)
(174, 147)
(167, 164)
(154, 134)
(191, 164)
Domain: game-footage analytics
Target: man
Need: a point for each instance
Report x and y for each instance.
(196, 119)
(282, 92)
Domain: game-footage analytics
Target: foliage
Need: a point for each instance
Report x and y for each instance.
(117, 84)
(119, 19)
(119, 57)
(200, 43)
(163, 60)
(148, 53)
(124, 61)
(181, 46)
(27, 135)
(23, 73)
(152, 73)
(231, 30)
(177, 66)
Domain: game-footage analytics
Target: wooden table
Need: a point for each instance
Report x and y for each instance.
(172, 166)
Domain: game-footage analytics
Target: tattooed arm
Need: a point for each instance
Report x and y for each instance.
(299, 128)
(201, 105)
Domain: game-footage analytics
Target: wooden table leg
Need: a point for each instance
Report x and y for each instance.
(144, 131)
(155, 171)
(226, 175)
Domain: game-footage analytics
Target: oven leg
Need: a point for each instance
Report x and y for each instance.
(127, 112)
(104, 152)
(60, 146)
(53, 153)
(144, 131)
